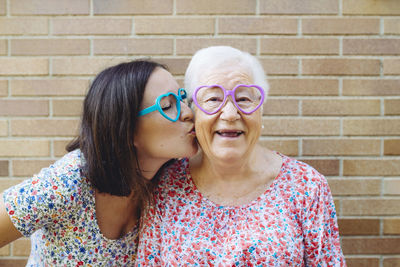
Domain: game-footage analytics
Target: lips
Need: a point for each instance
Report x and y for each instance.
(229, 133)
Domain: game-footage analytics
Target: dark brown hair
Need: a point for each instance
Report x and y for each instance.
(107, 130)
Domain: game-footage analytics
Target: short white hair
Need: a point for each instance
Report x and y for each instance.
(219, 56)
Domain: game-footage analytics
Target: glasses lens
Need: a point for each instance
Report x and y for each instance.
(169, 107)
(210, 98)
(248, 98)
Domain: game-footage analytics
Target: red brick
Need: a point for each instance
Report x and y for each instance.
(24, 26)
(280, 106)
(341, 147)
(67, 107)
(49, 7)
(392, 147)
(256, 25)
(53, 87)
(355, 187)
(82, 65)
(4, 168)
(281, 66)
(391, 226)
(3, 7)
(3, 88)
(188, 46)
(371, 206)
(177, 66)
(92, 26)
(50, 47)
(5, 251)
(24, 148)
(215, 7)
(174, 25)
(340, 107)
(286, 147)
(370, 127)
(341, 66)
(3, 128)
(328, 167)
(299, 7)
(13, 262)
(340, 26)
(392, 106)
(358, 226)
(132, 7)
(304, 87)
(391, 186)
(297, 46)
(371, 167)
(23, 66)
(115, 46)
(371, 46)
(44, 127)
(376, 87)
(22, 247)
(59, 147)
(392, 26)
(362, 262)
(27, 168)
(7, 183)
(391, 262)
(391, 66)
(3, 47)
(371, 7)
(371, 245)
(13, 107)
(300, 126)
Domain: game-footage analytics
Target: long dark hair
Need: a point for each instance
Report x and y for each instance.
(107, 130)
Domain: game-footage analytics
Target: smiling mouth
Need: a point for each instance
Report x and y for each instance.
(228, 133)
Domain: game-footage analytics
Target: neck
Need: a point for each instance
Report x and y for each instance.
(232, 170)
(150, 166)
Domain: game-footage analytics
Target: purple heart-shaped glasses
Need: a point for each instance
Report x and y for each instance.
(211, 98)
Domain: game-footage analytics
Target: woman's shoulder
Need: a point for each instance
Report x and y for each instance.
(174, 175)
(300, 176)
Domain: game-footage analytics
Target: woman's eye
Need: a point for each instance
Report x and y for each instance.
(213, 99)
(243, 99)
(166, 107)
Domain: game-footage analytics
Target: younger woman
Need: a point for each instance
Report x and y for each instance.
(84, 209)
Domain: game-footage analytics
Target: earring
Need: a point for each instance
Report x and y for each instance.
(262, 126)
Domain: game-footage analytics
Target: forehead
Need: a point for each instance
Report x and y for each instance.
(228, 76)
(160, 82)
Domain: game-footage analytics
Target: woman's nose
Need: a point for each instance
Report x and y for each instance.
(186, 112)
(229, 111)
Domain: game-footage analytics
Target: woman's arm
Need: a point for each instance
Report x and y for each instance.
(320, 228)
(8, 232)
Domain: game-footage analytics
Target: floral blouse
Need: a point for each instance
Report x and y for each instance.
(56, 208)
(293, 223)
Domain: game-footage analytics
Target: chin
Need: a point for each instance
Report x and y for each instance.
(230, 154)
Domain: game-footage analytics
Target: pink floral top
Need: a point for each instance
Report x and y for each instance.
(293, 223)
(56, 208)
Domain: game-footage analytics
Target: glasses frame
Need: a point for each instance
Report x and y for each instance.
(226, 94)
(182, 94)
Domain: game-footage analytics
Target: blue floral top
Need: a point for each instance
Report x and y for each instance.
(56, 208)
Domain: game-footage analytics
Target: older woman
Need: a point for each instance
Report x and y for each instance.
(236, 203)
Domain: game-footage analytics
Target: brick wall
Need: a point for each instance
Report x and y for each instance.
(333, 67)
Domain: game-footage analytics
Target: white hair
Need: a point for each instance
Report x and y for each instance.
(213, 57)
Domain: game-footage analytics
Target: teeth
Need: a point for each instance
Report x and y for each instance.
(230, 133)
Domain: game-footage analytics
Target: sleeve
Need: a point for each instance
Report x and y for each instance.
(319, 226)
(149, 247)
(40, 201)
